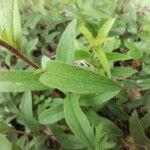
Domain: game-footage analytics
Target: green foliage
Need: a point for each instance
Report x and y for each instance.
(65, 77)
(68, 141)
(18, 81)
(10, 26)
(76, 120)
(90, 86)
(139, 137)
(98, 99)
(102, 141)
(26, 111)
(96, 43)
(5, 144)
(123, 71)
(51, 115)
(65, 49)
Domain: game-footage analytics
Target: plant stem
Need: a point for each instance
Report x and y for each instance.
(19, 54)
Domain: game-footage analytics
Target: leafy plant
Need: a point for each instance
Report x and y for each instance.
(83, 80)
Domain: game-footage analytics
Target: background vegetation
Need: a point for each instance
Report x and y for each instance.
(75, 74)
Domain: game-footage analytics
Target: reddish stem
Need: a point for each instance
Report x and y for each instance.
(19, 54)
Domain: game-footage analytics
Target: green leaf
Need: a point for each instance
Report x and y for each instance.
(4, 143)
(103, 59)
(44, 62)
(146, 69)
(10, 27)
(51, 115)
(108, 126)
(97, 100)
(112, 43)
(68, 141)
(114, 56)
(19, 81)
(81, 54)
(135, 53)
(102, 139)
(137, 131)
(103, 31)
(74, 79)
(80, 46)
(27, 111)
(4, 127)
(77, 121)
(16, 24)
(84, 30)
(97, 42)
(145, 121)
(118, 111)
(100, 39)
(144, 82)
(66, 48)
(123, 71)
(134, 49)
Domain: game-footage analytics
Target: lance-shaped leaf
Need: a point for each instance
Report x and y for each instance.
(88, 35)
(137, 131)
(103, 32)
(10, 23)
(51, 115)
(68, 141)
(103, 59)
(115, 56)
(77, 121)
(27, 111)
(144, 82)
(19, 81)
(123, 71)
(66, 50)
(108, 126)
(97, 42)
(69, 78)
(96, 100)
(100, 39)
